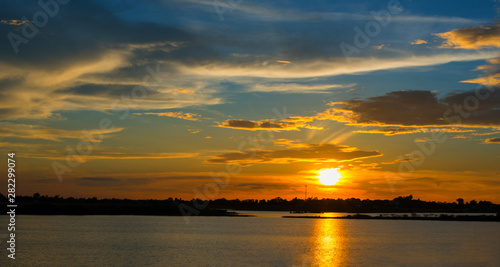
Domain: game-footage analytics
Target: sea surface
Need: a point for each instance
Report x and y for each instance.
(264, 240)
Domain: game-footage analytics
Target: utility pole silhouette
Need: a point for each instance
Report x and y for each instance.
(305, 193)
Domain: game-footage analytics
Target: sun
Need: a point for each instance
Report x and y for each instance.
(329, 176)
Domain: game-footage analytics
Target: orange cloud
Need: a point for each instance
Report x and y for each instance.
(178, 115)
(395, 131)
(491, 74)
(14, 22)
(392, 131)
(182, 91)
(491, 80)
(477, 37)
(482, 134)
(418, 42)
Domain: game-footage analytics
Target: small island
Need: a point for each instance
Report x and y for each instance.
(414, 216)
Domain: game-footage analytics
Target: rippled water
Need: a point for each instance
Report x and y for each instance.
(267, 240)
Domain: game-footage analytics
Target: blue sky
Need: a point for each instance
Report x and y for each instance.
(186, 83)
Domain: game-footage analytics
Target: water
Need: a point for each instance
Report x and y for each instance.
(268, 240)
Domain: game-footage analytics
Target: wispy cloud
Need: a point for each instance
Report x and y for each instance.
(409, 130)
(331, 67)
(298, 88)
(178, 115)
(491, 76)
(267, 12)
(476, 37)
(418, 42)
(28, 131)
(290, 143)
(379, 46)
(113, 155)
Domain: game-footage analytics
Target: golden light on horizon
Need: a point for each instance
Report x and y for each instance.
(329, 176)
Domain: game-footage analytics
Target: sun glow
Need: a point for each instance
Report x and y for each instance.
(329, 176)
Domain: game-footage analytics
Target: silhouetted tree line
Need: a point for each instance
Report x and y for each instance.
(39, 204)
(399, 204)
(56, 205)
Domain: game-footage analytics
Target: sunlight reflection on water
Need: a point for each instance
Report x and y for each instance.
(252, 241)
(328, 243)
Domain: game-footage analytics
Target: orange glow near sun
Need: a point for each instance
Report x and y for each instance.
(329, 176)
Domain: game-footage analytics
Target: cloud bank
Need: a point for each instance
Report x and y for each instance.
(309, 153)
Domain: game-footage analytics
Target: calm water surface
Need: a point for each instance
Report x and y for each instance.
(266, 240)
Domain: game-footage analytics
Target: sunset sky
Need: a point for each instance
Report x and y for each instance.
(249, 99)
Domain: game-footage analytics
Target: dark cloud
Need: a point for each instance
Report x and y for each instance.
(289, 124)
(75, 35)
(421, 108)
(495, 140)
(310, 153)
